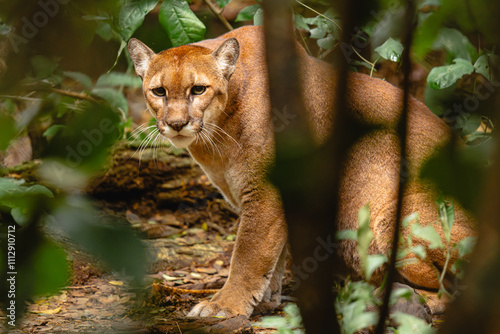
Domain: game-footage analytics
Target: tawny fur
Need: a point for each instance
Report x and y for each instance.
(238, 103)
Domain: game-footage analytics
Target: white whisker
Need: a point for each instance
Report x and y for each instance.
(220, 131)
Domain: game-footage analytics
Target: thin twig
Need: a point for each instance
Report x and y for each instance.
(365, 60)
(76, 95)
(214, 10)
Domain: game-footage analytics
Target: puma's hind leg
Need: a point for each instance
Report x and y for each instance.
(425, 273)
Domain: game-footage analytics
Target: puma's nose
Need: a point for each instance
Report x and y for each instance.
(178, 125)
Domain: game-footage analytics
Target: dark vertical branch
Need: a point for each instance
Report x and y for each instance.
(402, 131)
(302, 174)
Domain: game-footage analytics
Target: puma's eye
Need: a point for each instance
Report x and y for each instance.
(198, 90)
(160, 91)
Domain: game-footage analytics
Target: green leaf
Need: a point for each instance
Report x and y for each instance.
(347, 235)
(486, 64)
(222, 3)
(445, 76)
(400, 293)
(53, 130)
(14, 194)
(317, 33)
(115, 243)
(409, 324)
(428, 233)
(105, 31)
(113, 97)
(132, 15)
(419, 250)
(117, 79)
(85, 142)
(247, 13)
(43, 67)
(8, 131)
(365, 236)
(372, 263)
(180, 23)
(455, 43)
(272, 322)
(390, 50)
(326, 43)
(299, 22)
(82, 78)
(258, 18)
(466, 246)
(446, 211)
(292, 314)
(360, 321)
(50, 267)
(408, 219)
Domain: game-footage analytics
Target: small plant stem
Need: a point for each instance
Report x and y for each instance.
(441, 278)
(366, 61)
(217, 13)
(318, 13)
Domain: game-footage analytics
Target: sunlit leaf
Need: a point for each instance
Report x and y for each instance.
(400, 293)
(180, 23)
(428, 233)
(327, 42)
(347, 235)
(272, 322)
(445, 76)
(409, 324)
(447, 216)
(408, 219)
(299, 22)
(258, 18)
(373, 262)
(390, 50)
(365, 236)
(117, 79)
(466, 245)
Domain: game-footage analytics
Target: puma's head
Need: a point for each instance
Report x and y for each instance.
(185, 86)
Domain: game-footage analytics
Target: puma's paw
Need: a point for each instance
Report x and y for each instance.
(217, 309)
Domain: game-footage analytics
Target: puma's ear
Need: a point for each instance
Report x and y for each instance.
(140, 55)
(226, 56)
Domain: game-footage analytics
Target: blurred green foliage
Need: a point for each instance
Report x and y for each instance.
(64, 73)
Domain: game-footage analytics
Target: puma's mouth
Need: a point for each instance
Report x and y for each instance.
(181, 141)
(179, 137)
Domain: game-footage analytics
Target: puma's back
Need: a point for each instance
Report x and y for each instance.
(212, 97)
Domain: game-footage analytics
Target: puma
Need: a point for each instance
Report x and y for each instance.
(212, 98)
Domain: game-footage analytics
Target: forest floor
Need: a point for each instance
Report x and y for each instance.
(188, 231)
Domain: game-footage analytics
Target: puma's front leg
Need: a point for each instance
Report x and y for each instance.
(260, 245)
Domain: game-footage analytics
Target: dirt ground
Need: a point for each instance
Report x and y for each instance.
(189, 232)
